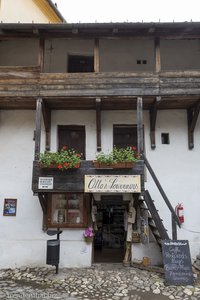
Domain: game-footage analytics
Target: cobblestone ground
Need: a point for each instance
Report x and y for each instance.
(110, 282)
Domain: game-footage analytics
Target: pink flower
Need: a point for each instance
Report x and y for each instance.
(59, 166)
(64, 147)
(88, 232)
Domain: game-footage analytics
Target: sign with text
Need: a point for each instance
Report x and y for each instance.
(177, 262)
(112, 184)
(45, 183)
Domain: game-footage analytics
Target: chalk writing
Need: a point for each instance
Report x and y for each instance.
(177, 263)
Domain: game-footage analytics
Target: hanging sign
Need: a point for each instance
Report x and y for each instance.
(45, 183)
(112, 184)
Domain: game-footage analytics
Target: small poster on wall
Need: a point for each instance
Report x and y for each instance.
(10, 207)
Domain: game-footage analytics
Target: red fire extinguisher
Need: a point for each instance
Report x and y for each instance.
(180, 212)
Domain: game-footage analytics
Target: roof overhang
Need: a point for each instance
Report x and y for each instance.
(182, 30)
(50, 10)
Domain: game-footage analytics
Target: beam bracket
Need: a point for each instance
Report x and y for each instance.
(192, 117)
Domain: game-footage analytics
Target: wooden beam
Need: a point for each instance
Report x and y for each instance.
(98, 123)
(192, 117)
(38, 127)
(41, 54)
(47, 124)
(174, 229)
(153, 117)
(96, 55)
(43, 202)
(140, 135)
(157, 54)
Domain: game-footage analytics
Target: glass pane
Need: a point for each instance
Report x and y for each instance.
(75, 208)
(59, 208)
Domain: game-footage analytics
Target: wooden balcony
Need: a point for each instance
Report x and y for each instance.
(72, 180)
(21, 86)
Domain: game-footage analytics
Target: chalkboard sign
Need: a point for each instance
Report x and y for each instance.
(177, 262)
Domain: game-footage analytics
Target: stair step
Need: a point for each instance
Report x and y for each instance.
(159, 241)
(156, 233)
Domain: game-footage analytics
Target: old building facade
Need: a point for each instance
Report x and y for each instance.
(92, 87)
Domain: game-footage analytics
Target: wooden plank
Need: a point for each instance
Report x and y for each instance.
(140, 135)
(38, 127)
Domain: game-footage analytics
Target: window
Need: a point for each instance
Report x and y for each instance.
(67, 210)
(165, 138)
(72, 136)
(80, 64)
(141, 61)
(124, 136)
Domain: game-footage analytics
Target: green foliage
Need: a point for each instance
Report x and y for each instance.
(63, 159)
(119, 155)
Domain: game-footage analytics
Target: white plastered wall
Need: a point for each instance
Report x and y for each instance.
(23, 243)
(175, 166)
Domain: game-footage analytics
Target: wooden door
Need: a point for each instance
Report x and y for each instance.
(72, 137)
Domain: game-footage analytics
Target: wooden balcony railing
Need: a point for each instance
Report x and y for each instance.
(72, 180)
(29, 82)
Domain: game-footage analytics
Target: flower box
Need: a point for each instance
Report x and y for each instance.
(120, 165)
(119, 158)
(56, 167)
(63, 159)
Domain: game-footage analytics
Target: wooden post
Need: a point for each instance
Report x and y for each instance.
(96, 55)
(38, 127)
(153, 117)
(98, 123)
(174, 229)
(157, 55)
(47, 123)
(140, 135)
(41, 54)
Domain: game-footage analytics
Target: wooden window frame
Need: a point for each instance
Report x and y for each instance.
(85, 210)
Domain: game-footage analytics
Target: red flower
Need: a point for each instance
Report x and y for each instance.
(79, 155)
(66, 164)
(134, 148)
(64, 147)
(59, 166)
(77, 166)
(138, 155)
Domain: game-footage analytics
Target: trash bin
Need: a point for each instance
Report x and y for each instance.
(53, 252)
